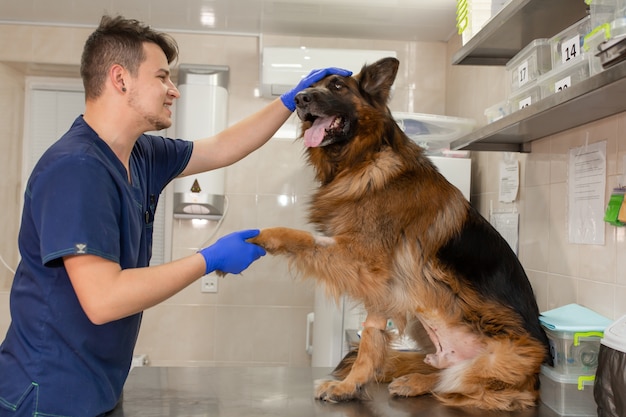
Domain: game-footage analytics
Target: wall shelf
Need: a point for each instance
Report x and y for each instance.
(592, 99)
(515, 26)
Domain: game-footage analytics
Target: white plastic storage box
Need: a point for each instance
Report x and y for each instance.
(433, 132)
(497, 111)
(574, 353)
(530, 94)
(529, 63)
(564, 76)
(568, 395)
(567, 45)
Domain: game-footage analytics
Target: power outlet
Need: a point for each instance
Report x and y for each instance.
(209, 283)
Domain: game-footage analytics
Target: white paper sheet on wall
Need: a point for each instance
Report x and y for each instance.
(509, 180)
(586, 185)
(507, 224)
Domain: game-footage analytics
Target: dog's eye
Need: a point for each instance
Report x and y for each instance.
(337, 85)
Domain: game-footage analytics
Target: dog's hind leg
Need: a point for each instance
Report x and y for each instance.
(367, 366)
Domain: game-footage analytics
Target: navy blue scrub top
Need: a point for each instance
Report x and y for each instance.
(78, 200)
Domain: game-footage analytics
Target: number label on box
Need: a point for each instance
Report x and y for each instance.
(522, 74)
(562, 84)
(570, 49)
(525, 102)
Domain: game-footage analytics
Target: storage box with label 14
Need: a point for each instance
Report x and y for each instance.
(529, 63)
(564, 76)
(530, 94)
(568, 395)
(567, 45)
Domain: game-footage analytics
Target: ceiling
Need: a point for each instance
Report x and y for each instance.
(412, 20)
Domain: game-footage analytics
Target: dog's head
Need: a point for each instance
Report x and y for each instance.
(333, 108)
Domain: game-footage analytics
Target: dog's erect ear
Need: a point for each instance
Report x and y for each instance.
(376, 79)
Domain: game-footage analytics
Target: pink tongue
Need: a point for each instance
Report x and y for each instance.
(314, 135)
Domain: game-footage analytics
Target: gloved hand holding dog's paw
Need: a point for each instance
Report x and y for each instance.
(314, 76)
(231, 253)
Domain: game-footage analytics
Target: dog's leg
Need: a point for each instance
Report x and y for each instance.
(283, 240)
(367, 366)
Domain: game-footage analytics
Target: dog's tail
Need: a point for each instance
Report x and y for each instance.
(397, 363)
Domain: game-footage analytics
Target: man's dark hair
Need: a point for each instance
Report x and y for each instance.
(119, 41)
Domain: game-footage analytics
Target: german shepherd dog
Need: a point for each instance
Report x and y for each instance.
(398, 237)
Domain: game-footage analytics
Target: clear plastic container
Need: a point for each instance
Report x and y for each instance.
(530, 94)
(602, 11)
(529, 63)
(568, 395)
(567, 45)
(564, 76)
(433, 132)
(497, 111)
(472, 15)
(574, 353)
(591, 47)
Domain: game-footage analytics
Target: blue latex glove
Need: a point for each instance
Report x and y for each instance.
(314, 76)
(231, 253)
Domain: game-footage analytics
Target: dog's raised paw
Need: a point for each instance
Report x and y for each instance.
(336, 391)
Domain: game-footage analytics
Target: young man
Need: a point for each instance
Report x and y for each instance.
(85, 237)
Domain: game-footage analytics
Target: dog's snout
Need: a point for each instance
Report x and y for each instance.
(302, 98)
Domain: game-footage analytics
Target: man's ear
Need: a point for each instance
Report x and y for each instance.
(117, 75)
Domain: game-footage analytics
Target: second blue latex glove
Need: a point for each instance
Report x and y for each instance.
(231, 253)
(314, 76)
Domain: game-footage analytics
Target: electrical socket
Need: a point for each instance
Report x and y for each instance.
(209, 283)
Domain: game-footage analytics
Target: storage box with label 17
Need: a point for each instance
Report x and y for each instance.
(567, 45)
(529, 63)
(530, 94)
(568, 395)
(565, 76)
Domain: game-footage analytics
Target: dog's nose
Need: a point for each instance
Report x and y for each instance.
(302, 98)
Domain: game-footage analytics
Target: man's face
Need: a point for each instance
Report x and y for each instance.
(152, 91)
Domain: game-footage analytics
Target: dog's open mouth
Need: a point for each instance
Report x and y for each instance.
(325, 130)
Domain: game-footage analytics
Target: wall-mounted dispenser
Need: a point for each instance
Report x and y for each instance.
(201, 111)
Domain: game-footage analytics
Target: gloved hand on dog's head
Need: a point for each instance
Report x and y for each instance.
(314, 76)
(232, 254)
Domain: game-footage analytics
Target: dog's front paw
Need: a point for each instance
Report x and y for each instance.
(336, 391)
(283, 240)
(272, 239)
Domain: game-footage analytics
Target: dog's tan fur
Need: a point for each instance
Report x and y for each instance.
(385, 212)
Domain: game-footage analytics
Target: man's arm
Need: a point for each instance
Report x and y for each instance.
(107, 293)
(237, 141)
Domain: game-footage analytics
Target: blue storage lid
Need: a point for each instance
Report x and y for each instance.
(573, 318)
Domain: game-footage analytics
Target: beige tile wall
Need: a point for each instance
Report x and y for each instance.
(257, 318)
